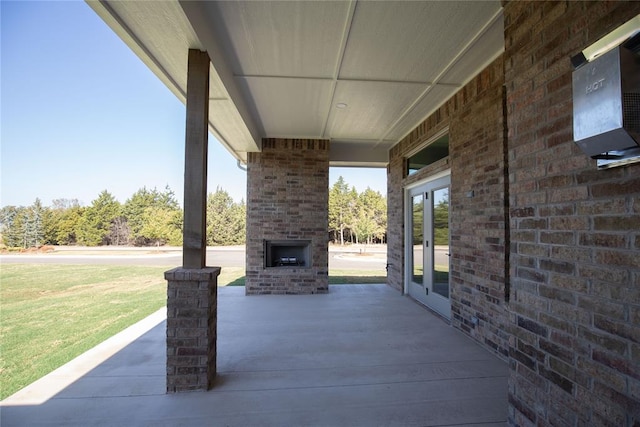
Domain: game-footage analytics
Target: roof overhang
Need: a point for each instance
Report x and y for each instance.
(361, 74)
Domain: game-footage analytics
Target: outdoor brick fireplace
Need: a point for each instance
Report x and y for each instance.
(287, 204)
(287, 253)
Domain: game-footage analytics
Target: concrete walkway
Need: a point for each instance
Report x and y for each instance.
(363, 355)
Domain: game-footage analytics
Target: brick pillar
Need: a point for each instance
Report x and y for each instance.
(191, 328)
(287, 200)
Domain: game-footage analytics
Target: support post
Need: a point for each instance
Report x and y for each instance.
(192, 289)
(195, 167)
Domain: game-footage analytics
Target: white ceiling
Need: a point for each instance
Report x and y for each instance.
(280, 68)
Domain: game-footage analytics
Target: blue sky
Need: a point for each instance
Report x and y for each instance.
(80, 113)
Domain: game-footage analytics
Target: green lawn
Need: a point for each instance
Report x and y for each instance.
(235, 277)
(347, 277)
(50, 314)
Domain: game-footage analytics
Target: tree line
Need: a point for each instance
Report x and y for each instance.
(356, 217)
(147, 218)
(440, 222)
(153, 217)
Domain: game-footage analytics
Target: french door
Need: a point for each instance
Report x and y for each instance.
(427, 244)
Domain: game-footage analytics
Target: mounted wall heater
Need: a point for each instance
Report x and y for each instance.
(606, 97)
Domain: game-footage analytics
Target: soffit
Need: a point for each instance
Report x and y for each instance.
(279, 69)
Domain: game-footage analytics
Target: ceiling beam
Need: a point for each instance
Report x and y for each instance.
(198, 15)
(343, 153)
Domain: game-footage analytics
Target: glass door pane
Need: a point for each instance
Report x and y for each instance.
(417, 239)
(440, 224)
(427, 244)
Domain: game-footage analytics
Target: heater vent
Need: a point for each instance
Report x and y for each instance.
(631, 108)
(606, 108)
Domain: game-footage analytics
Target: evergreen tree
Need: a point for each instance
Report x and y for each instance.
(33, 229)
(68, 225)
(134, 212)
(168, 199)
(61, 222)
(226, 220)
(370, 220)
(11, 219)
(418, 221)
(162, 226)
(95, 225)
(441, 221)
(339, 208)
(360, 218)
(352, 212)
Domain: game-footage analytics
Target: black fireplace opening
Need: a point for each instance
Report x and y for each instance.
(287, 253)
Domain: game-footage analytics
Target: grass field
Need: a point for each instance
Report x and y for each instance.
(231, 276)
(50, 314)
(53, 313)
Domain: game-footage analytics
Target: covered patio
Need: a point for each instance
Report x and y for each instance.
(470, 107)
(361, 355)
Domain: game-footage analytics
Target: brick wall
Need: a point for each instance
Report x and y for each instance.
(554, 274)
(479, 212)
(575, 233)
(479, 245)
(287, 199)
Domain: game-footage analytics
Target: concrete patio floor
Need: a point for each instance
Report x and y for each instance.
(363, 355)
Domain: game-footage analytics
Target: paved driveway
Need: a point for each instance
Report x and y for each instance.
(345, 258)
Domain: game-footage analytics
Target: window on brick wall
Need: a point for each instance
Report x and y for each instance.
(436, 150)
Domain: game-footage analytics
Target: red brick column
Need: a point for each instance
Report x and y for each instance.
(191, 328)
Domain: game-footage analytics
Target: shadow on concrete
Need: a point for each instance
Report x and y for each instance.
(358, 356)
